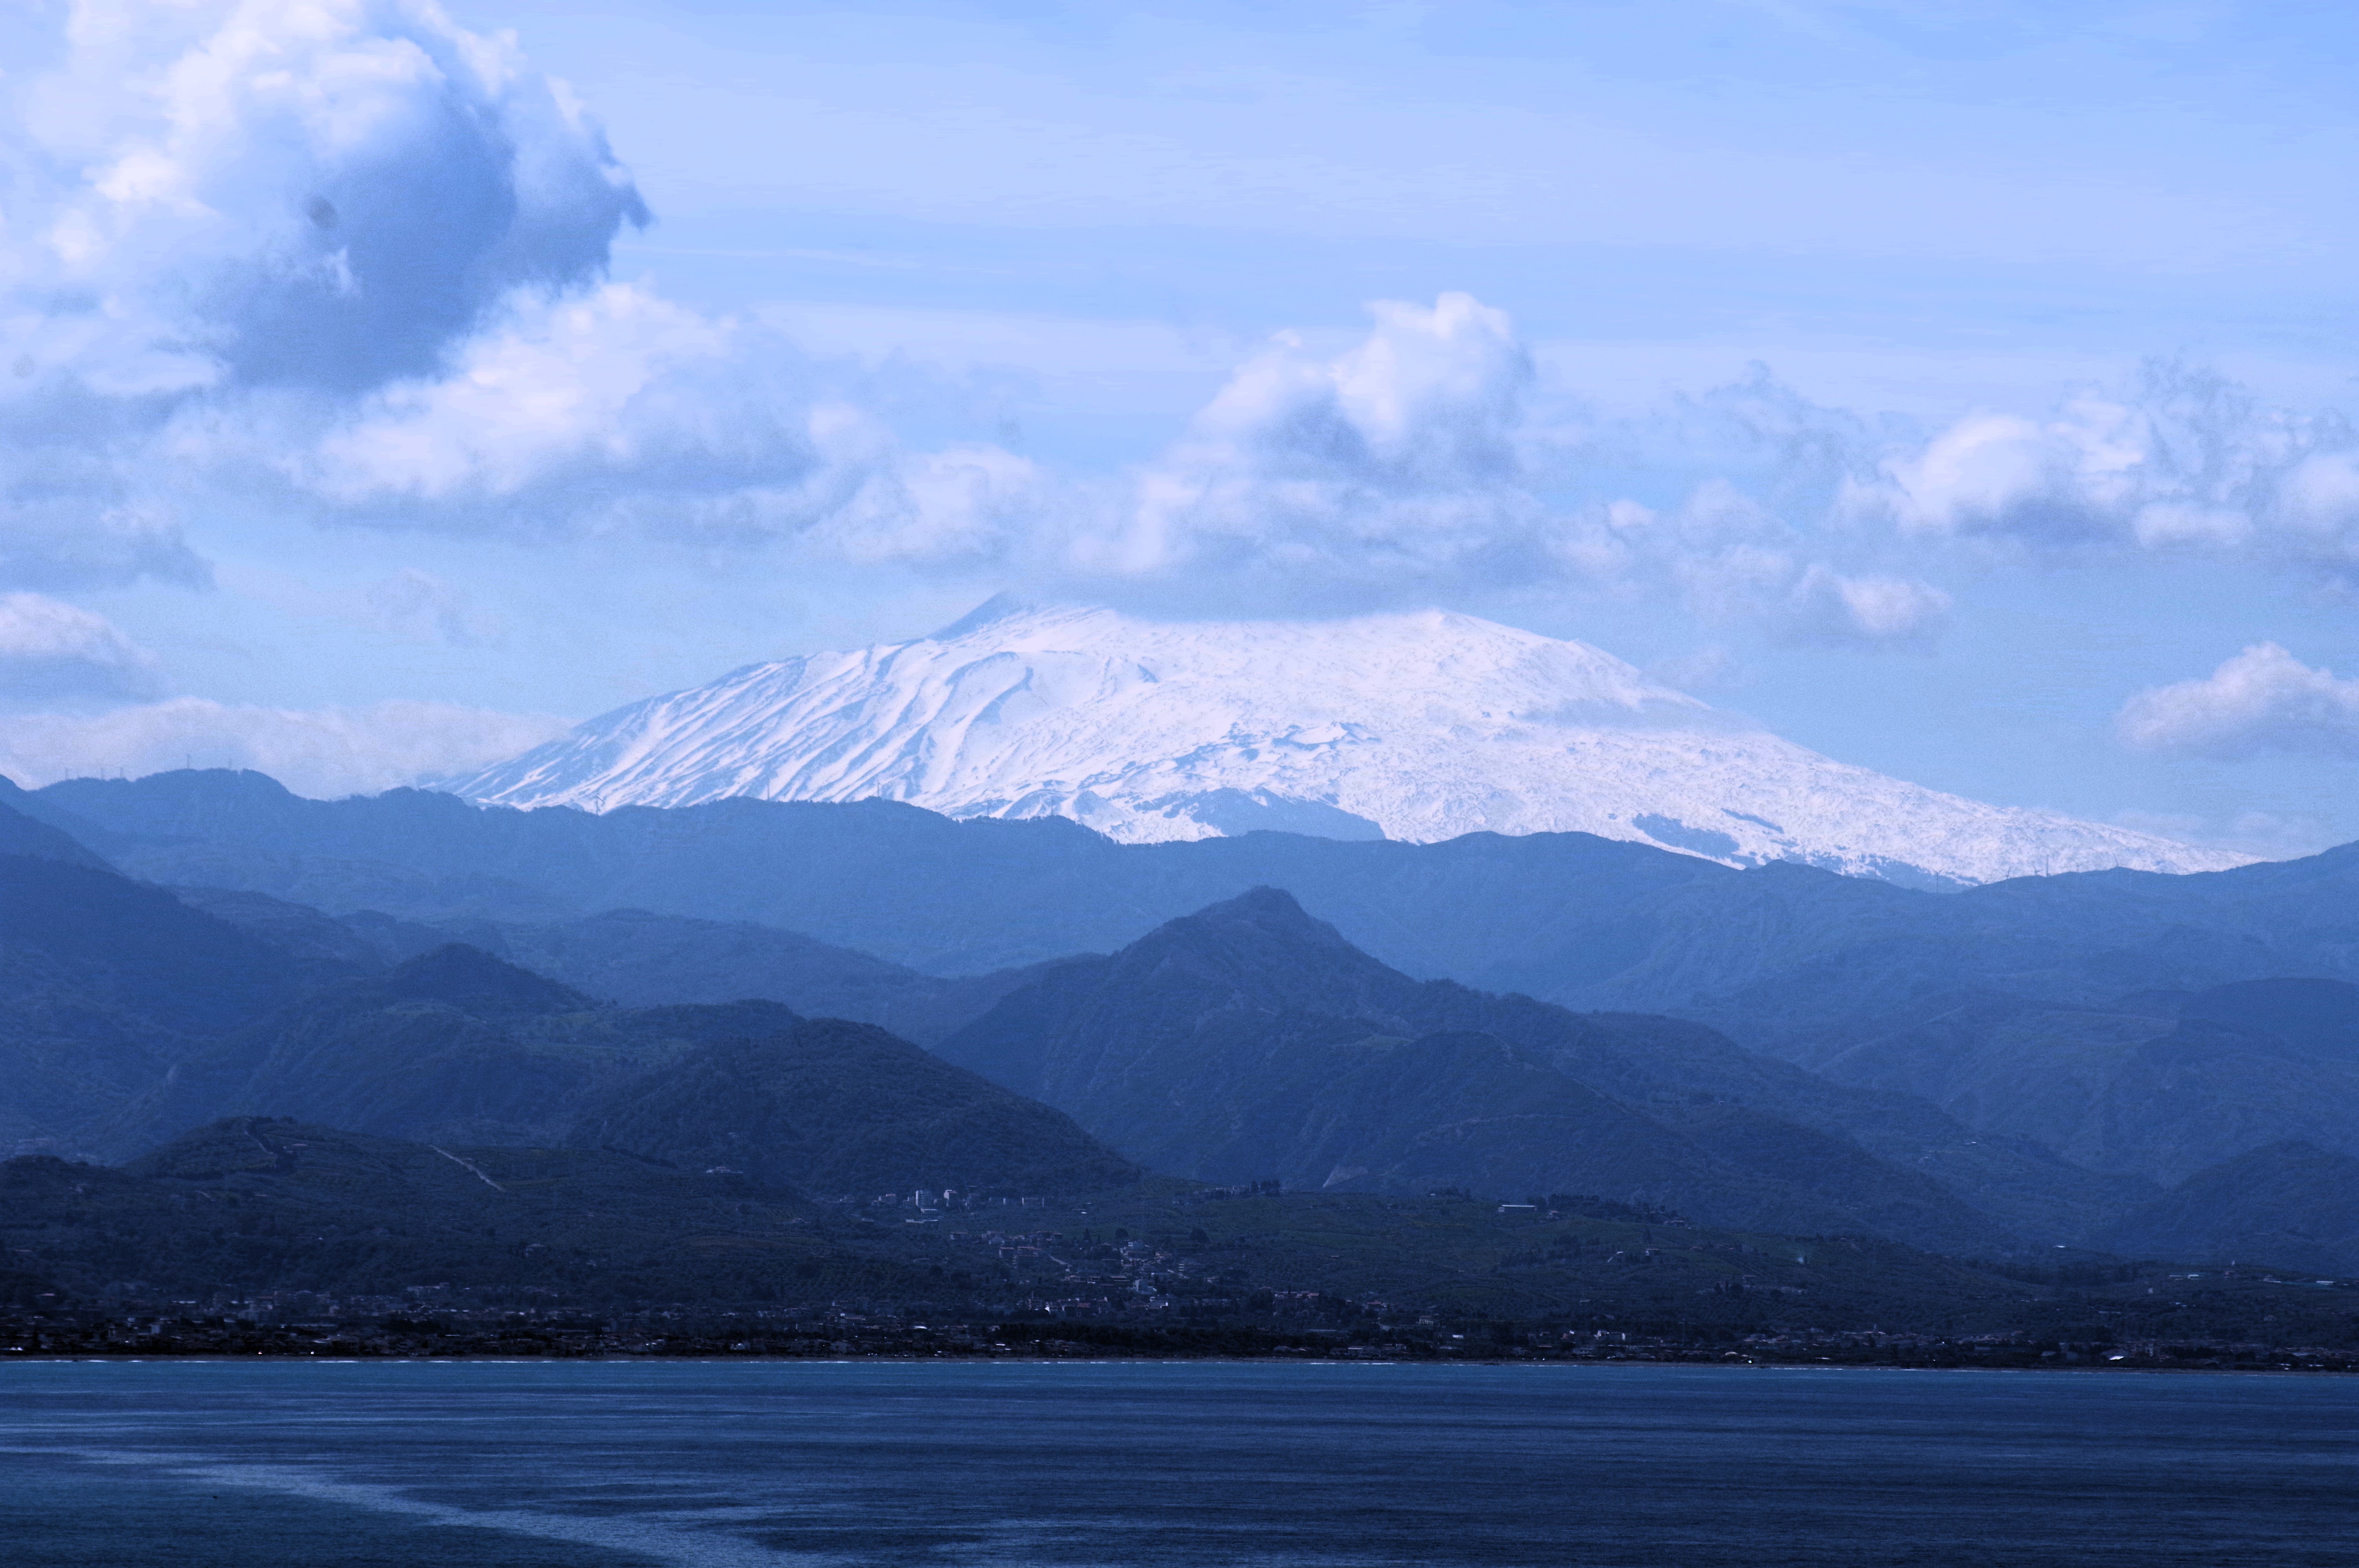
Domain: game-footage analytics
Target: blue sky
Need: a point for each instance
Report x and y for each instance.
(1954, 387)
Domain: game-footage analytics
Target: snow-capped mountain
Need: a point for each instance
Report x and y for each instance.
(1418, 726)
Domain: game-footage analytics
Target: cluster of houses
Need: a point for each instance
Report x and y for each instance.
(928, 1204)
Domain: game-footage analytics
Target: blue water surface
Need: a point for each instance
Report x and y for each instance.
(733, 1464)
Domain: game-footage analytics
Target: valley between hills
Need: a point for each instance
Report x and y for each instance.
(401, 1073)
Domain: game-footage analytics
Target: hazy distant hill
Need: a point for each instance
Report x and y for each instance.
(1761, 954)
(452, 1045)
(2162, 1084)
(640, 958)
(23, 832)
(840, 1107)
(105, 984)
(307, 933)
(2288, 1205)
(455, 1045)
(1250, 1039)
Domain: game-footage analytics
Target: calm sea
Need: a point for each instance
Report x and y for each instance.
(469, 1465)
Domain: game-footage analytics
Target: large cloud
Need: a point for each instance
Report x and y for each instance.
(1735, 560)
(316, 192)
(618, 410)
(213, 201)
(316, 752)
(1408, 466)
(2263, 699)
(1395, 459)
(2185, 461)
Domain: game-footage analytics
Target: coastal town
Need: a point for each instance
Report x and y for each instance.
(437, 1326)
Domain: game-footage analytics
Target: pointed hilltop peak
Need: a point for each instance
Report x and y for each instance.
(472, 979)
(1254, 957)
(1268, 912)
(1261, 944)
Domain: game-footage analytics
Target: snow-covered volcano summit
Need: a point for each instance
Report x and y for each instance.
(1414, 726)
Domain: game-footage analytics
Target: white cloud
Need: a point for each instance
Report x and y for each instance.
(315, 193)
(323, 751)
(1394, 470)
(617, 410)
(1407, 468)
(1833, 608)
(1734, 561)
(966, 505)
(2263, 699)
(2318, 505)
(1394, 459)
(564, 397)
(2186, 462)
(51, 651)
(212, 198)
